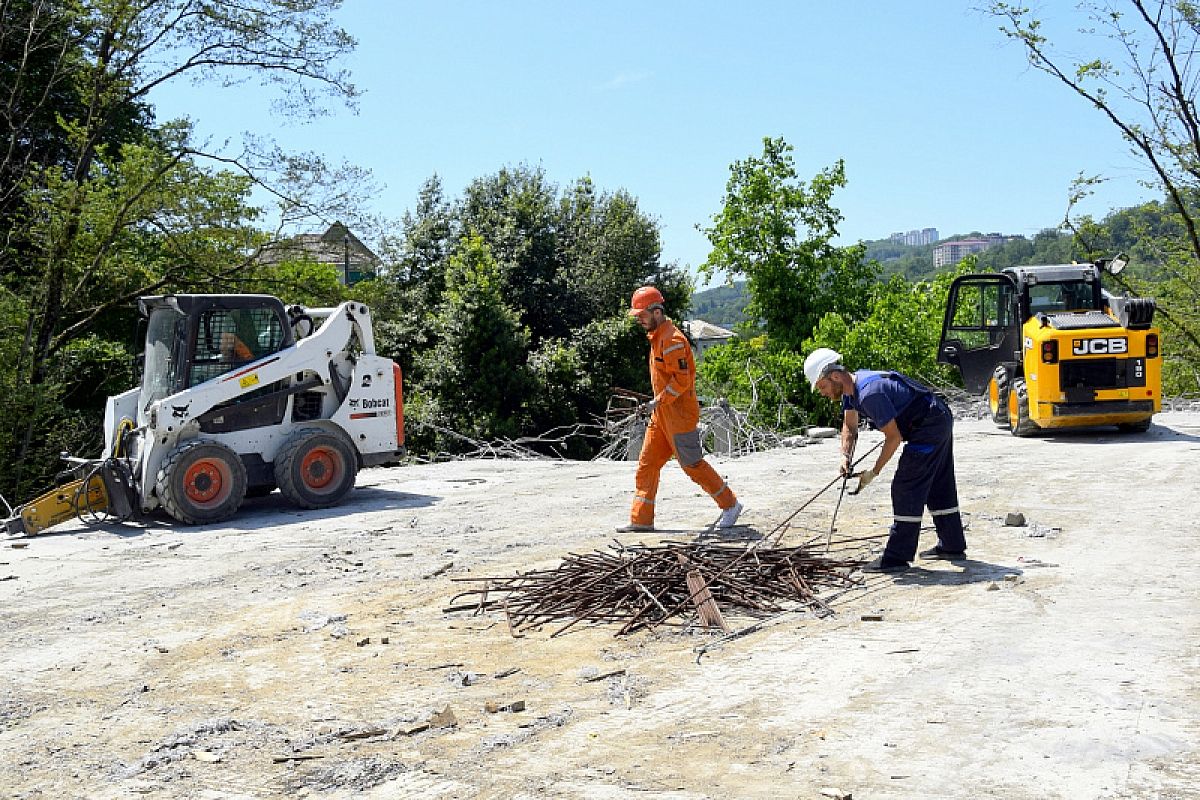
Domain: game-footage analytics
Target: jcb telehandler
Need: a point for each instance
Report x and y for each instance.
(239, 395)
(1054, 349)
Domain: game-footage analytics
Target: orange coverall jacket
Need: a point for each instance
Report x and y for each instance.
(673, 377)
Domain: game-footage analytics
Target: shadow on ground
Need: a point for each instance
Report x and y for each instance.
(965, 572)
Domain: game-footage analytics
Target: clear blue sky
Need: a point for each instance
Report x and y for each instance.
(938, 117)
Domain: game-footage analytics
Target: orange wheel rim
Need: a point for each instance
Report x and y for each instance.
(205, 481)
(321, 467)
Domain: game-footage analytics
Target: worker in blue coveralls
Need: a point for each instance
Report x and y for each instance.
(909, 412)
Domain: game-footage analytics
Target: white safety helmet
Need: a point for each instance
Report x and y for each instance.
(816, 363)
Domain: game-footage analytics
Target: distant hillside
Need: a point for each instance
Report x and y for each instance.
(723, 305)
(912, 261)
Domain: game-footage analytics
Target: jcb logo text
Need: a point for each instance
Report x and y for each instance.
(1099, 347)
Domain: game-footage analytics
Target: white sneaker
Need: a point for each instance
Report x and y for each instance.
(729, 516)
(634, 527)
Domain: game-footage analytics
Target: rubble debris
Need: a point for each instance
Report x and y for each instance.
(361, 733)
(494, 707)
(642, 586)
(443, 719)
(836, 794)
(1014, 519)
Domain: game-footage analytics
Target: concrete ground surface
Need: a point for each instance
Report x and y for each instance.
(298, 654)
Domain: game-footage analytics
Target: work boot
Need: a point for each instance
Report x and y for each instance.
(880, 565)
(634, 527)
(937, 553)
(729, 516)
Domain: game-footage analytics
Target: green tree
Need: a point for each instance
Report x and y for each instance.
(1140, 75)
(475, 378)
(778, 232)
(764, 377)
(900, 330)
(98, 204)
(567, 263)
(566, 258)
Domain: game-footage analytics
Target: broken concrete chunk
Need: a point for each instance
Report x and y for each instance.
(836, 794)
(205, 756)
(443, 719)
(363, 642)
(494, 707)
(821, 433)
(1014, 519)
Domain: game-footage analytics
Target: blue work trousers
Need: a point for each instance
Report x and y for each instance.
(925, 478)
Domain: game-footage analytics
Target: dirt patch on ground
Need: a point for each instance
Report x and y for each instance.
(293, 654)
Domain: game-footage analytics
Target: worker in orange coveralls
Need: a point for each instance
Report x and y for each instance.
(674, 417)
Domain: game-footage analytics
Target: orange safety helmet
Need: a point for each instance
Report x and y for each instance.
(645, 299)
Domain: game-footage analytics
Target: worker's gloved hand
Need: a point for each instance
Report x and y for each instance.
(845, 468)
(648, 407)
(864, 479)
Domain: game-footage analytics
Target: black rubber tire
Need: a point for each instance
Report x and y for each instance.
(315, 468)
(201, 482)
(998, 395)
(1141, 426)
(1019, 423)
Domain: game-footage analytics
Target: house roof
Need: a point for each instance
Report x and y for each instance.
(334, 246)
(703, 331)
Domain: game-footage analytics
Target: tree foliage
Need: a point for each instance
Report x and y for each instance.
(1141, 76)
(778, 232)
(899, 330)
(476, 376)
(100, 203)
(565, 264)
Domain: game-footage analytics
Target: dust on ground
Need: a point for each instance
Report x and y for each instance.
(306, 654)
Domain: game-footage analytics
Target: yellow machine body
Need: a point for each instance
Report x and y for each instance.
(1056, 360)
(62, 503)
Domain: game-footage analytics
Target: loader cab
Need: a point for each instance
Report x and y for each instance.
(191, 339)
(985, 312)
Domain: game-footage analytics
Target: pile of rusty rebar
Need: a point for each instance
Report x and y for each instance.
(643, 586)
